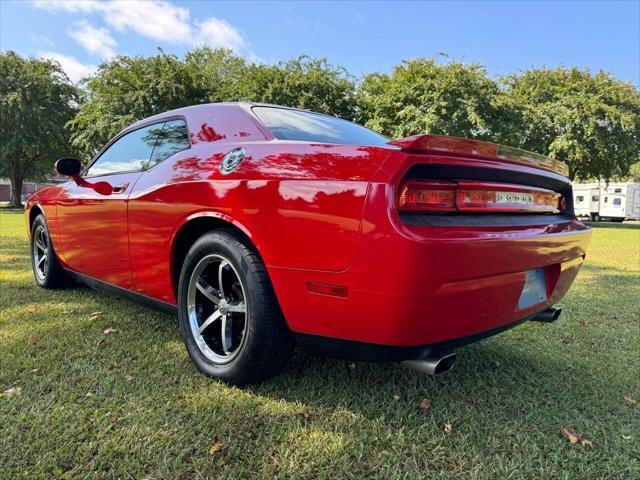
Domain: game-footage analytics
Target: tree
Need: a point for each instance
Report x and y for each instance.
(37, 99)
(127, 89)
(219, 74)
(590, 121)
(306, 83)
(424, 96)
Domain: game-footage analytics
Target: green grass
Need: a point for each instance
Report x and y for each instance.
(130, 404)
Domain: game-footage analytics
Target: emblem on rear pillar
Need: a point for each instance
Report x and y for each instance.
(232, 160)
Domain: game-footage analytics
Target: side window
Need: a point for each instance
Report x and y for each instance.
(606, 199)
(617, 190)
(129, 153)
(173, 138)
(579, 199)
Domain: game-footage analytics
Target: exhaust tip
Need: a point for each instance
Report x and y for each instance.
(433, 365)
(549, 315)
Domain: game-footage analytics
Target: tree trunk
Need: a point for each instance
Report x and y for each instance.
(16, 188)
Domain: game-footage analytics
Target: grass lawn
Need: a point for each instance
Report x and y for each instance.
(81, 403)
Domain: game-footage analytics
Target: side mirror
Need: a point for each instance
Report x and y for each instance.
(69, 167)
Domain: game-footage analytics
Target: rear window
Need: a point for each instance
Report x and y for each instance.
(579, 199)
(617, 201)
(287, 124)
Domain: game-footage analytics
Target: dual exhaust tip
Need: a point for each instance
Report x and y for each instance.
(436, 364)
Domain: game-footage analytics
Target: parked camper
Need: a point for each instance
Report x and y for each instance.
(615, 202)
(586, 201)
(620, 201)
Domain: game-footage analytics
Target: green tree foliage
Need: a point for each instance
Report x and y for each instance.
(634, 173)
(127, 89)
(590, 121)
(37, 100)
(306, 83)
(424, 96)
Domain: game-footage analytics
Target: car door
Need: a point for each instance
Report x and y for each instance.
(93, 226)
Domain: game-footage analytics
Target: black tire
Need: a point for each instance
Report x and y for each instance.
(48, 273)
(267, 344)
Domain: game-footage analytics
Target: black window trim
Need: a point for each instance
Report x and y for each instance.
(126, 131)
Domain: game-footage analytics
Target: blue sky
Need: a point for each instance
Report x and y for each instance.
(361, 36)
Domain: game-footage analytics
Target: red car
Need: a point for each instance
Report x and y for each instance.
(263, 226)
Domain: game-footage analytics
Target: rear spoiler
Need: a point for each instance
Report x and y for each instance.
(476, 148)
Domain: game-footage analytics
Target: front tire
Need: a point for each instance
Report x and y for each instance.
(47, 271)
(228, 312)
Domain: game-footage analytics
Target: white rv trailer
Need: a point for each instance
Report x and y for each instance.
(615, 201)
(586, 200)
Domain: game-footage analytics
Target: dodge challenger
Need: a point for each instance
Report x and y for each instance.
(264, 227)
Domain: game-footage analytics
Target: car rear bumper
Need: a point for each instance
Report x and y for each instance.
(374, 352)
(420, 286)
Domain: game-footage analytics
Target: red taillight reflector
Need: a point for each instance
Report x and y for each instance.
(430, 196)
(326, 289)
(433, 196)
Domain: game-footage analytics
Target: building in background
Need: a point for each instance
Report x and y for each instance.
(28, 188)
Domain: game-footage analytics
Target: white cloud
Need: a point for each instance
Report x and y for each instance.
(72, 67)
(152, 18)
(95, 40)
(156, 19)
(217, 33)
(67, 5)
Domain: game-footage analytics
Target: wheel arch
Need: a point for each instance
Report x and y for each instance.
(34, 211)
(192, 228)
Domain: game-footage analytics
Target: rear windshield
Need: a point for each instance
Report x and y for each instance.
(287, 124)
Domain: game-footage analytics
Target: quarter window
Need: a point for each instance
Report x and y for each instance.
(173, 138)
(130, 153)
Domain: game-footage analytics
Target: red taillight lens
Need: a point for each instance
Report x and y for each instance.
(432, 196)
(416, 195)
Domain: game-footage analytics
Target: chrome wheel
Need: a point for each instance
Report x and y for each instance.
(40, 252)
(217, 308)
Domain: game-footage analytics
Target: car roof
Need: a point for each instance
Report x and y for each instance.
(184, 111)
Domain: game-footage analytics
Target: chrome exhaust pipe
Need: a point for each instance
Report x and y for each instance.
(549, 315)
(432, 365)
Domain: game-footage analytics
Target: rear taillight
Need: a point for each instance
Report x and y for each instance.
(432, 196)
(438, 196)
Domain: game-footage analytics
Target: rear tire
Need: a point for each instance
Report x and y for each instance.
(229, 316)
(47, 271)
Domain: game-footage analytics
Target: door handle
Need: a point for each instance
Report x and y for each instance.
(120, 188)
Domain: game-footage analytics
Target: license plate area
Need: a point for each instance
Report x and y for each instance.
(534, 290)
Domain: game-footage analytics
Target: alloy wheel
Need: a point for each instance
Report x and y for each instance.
(40, 252)
(217, 308)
